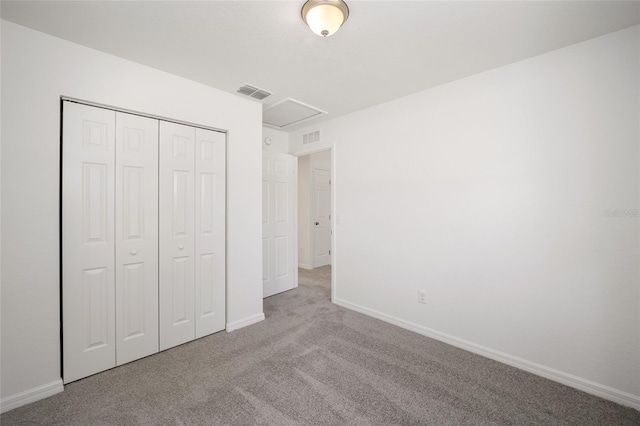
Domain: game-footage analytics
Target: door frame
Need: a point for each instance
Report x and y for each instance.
(334, 218)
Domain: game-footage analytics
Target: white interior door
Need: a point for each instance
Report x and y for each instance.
(88, 247)
(321, 178)
(136, 237)
(279, 231)
(210, 232)
(177, 242)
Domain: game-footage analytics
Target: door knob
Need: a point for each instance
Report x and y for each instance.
(180, 247)
(133, 252)
(317, 223)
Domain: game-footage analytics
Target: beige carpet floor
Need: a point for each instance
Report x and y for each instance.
(314, 363)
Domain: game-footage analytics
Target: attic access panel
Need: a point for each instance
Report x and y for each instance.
(289, 112)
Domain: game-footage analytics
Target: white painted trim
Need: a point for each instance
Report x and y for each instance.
(296, 237)
(305, 266)
(142, 114)
(334, 229)
(31, 395)
(236, 325)
(593, 388)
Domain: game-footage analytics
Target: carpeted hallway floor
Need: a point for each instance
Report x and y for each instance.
(314, 363)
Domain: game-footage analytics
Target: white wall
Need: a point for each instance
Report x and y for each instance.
(36, 70)
(279, 140)
(491, 193)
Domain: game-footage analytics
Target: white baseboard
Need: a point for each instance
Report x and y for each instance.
(597, 389)
(305, 266)
(235, 325)
(31, 395)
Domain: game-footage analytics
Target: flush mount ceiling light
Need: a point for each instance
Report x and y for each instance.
(325, 17)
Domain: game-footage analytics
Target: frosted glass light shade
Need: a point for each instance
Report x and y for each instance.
(325, 17)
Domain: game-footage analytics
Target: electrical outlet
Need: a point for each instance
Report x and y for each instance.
(422, 296)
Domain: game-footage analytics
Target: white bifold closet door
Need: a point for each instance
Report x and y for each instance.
(192, 233)
(136, 237)
(210, 233)
(143, 236)
(177, 242)
(88, 246)
(110, 239)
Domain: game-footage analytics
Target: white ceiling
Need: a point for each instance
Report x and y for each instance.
(387, 49)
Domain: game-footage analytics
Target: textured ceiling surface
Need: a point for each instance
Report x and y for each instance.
(387, 49)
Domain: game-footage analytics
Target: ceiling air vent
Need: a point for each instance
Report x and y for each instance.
(253, 92)
(311, 137)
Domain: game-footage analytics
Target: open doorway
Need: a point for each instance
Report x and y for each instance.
(314, 218)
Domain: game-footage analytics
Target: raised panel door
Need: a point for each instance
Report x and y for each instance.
(210, 208)
(321, 216)
(136, 237)
(176, 234)
(88, 154)
(279, 233)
